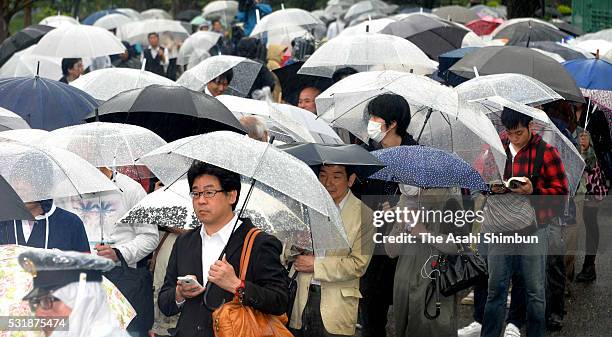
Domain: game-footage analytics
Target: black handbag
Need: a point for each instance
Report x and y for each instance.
(453, 273)
(136, 284)
(293, 286)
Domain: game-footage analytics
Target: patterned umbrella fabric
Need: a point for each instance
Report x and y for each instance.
(594, 77)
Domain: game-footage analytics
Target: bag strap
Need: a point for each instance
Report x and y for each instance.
(433, 289)
(247, 247)
(153, 260)
(538, 162)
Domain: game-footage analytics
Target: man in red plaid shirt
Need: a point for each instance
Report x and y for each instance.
(526, 151)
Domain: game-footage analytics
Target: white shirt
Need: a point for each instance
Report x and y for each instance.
(212, 245)
(154, 52)
(25, 224)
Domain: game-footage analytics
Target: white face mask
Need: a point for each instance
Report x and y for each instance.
(375, 131)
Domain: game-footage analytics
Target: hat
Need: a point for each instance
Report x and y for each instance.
(52, 269)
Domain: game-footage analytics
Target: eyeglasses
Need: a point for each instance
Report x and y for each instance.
(45, 302)
(207, 194)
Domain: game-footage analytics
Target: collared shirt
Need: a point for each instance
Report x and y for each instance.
(212, 245)
(154, 52)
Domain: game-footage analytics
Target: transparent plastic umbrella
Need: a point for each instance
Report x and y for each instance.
(434, 109)
(371, 26)
(79, 41)
(24, 64)
(112, 21)
(365, 52)
(244, 73)
(284, 120)
(105, 144)
(134, 14)
(59, 21)
(156, 13)
(40, 172)
(105, 83)
(138, 31)
(221, 9)
(11, 121)
(199, 41)
(278, 174)
(369, 6)
(285, 21)
(27, 136)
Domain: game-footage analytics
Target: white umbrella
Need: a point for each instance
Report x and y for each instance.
(59, 21)
(372, 26)
(156, 13)
(519, 20)
(79, 41)
(131, 13)
(365, 52)
(105, 144)
(286, 21)
(112, 21)
(40, 173)
(138, 31)
(27, 136)
(220, 9)
(244, 73)
(11, 121)
(284, 120)
(196, 42)
(103, 84)
(24, 64)
(592, 46)
(369, 7)
(605, 34)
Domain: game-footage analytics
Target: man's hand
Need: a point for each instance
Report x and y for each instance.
(107, 252)
(304, 263)
(525, 189)
(184, 290)
(223, 275)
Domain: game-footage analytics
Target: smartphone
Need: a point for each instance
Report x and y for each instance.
(188, 280)
(516, 184)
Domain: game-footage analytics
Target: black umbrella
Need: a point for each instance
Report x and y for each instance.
(11, 206)
(521, 33)
(520, 60)
(559, 49)
(433, 36)
(22, 40)
(292, 82)
(352, 155)
(568, 28)
(187, 15)
(172, 112)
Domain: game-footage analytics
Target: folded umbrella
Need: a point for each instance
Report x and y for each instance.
(351, 155)
(593, 76)
(172, 112)
(456, 14)
(427, 167)
(79, 41)
(22, 40)
(11, 206)
(11, 121)
(45, 104)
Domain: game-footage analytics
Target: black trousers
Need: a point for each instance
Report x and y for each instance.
(377, 290)
(555, 273)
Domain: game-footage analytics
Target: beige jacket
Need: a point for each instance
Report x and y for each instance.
(339, 273)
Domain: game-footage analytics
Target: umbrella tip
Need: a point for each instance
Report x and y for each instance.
(367, 28)
(282, 6)
(37, 68)
(476, 72)
(97, 115)
(597, 54)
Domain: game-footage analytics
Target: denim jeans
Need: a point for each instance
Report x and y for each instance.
(528, 262)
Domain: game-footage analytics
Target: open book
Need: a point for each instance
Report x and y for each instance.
(506, 185)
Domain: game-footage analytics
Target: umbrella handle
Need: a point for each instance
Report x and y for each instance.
(429, 112)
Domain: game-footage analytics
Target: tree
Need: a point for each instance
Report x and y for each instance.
(9, 8)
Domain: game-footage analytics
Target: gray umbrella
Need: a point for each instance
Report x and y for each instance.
(456, 14)
(11, 206)
(519, 60)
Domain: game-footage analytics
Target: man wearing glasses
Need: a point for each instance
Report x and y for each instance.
(194, 262)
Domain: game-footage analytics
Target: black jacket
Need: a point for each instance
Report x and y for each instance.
(265, 287)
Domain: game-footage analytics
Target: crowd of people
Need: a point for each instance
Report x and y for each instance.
(187, 274)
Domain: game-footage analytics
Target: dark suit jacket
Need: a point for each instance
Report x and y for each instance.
(265, 287)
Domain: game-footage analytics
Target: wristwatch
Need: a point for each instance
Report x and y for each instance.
(239, 293)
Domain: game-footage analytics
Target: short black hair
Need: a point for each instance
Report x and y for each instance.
(350, 169)
(512, 119)
(151, 34)
(68, 63)
(342, 73)
(228, 75)
(391, 107)
(229, 181)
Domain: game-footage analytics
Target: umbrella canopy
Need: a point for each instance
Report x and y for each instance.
(456, 14)
(525, 32)
(220, 9)
(566, 51)
(59, 21)
(520, 60)
(276, 173)
(95, 16)
(483, 10)
(286, 21)
(40, 173)
(11, 121)
(138, 31)
(447, 60)
(432, 35)
(427, 167)
(105, 144)
(112, 21)
(27, 136)
(292, 82)
(244, 73)
(134, 14)
(199, 41)
(369, 26)
(79, 41)
(24, 64)
(172, 112)
(105, 83)
(198, 20)
(568, 28)
(16, 283)
(595, 46)
(368, 7)
(21, 40)
(287, 122)
(45, 104)
(187, 15)
(604, 34)
(485, 25)
(365, 52)
(351, 155)
(156, 13)
(593, 76)
(11, 206)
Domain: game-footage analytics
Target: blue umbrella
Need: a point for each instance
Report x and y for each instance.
(594, 74)
(427, 167)
(448, 59)
(45, 104)
(93, 17)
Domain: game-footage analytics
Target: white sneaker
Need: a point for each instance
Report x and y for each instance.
(469, 299)
(472, 330)
(512, 331)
